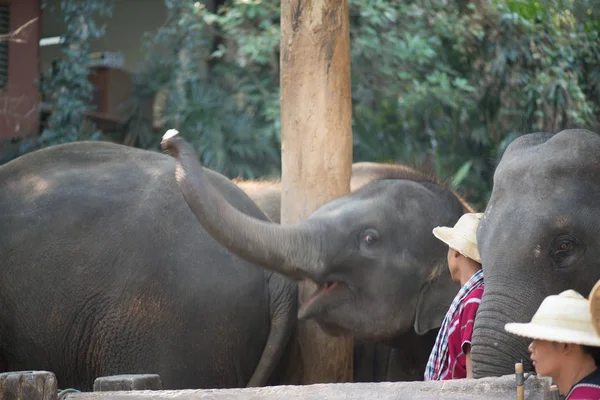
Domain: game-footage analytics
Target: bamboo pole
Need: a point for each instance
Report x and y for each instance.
(554, 393)
(520, 382)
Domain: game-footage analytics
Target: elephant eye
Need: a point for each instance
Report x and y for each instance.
(565, 250)
(369, 237)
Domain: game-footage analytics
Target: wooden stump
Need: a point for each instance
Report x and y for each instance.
(30, 385)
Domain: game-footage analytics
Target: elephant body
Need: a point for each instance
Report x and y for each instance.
(106, 272)
(538, 237)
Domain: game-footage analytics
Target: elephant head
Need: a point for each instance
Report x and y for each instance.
(378, 267)
(540, 235)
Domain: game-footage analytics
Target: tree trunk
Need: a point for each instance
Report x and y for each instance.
(316, 147)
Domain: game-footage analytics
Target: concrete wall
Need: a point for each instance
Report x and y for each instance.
(503, 388)
(18, 101)
(124, 31)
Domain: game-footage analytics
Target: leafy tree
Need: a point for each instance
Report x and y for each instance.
(440, 83)
(445, 83)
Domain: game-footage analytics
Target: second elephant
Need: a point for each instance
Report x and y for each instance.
(382, 275)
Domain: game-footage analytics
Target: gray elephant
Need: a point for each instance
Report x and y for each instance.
(539, 236)
(105, 271)
(381, 273)
(401, 359)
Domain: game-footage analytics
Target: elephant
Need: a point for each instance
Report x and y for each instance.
(106, 272)
(380, 271)
(403, 359)
(539, 236)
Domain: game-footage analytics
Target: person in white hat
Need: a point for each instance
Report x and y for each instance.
(565, 344)
(450, 357)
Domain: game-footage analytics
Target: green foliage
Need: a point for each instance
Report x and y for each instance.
(227, 109)
(439, 82)
(69, 88)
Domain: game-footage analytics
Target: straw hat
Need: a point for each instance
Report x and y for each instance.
(463, 236)
(595, 306)
(563, 318)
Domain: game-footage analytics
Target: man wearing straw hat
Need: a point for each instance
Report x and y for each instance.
(566, 346)
(451, 355)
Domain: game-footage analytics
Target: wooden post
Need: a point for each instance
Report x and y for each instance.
(594, 298)
(30, 385)
(520, 381)
(316, 146)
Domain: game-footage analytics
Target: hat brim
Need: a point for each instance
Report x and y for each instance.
(553, 334)
(448, 236)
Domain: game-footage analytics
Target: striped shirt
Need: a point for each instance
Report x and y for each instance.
(586, 389)
(459, 335)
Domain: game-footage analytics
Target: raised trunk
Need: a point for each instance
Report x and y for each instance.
(295, 251)
(316, 131)
(495, 351)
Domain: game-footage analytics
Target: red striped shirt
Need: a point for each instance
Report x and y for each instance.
(586, 389)
(460, 333)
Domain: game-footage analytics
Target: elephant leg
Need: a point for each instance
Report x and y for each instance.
(283, 304)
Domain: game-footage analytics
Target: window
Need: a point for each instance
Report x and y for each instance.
(4, 29)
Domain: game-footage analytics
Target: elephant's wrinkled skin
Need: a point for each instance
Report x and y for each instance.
(106, 271)
(380, 270)
(401, 359)
(540, 235)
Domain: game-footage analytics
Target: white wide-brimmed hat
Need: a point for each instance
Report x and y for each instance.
(563, 318)
(463, 236)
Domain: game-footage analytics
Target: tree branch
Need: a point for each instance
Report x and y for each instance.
(14, 36)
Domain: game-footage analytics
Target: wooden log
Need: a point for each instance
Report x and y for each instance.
(127, 382)
(29, 385)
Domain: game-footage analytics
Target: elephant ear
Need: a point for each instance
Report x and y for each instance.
(434, 300)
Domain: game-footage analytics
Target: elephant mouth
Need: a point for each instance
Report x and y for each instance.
(310, 308)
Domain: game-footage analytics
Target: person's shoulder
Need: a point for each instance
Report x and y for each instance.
(476, 293)
(587, 388)
(584, 391)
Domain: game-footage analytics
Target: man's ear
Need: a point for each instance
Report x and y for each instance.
(566, 348)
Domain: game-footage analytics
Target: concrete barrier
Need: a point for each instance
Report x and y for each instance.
(502, 388)
(41, 385)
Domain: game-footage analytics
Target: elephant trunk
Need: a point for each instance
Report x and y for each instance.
(494, 351)
(295, 251)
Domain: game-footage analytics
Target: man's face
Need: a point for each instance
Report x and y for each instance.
(546, 357)
(453, 264)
